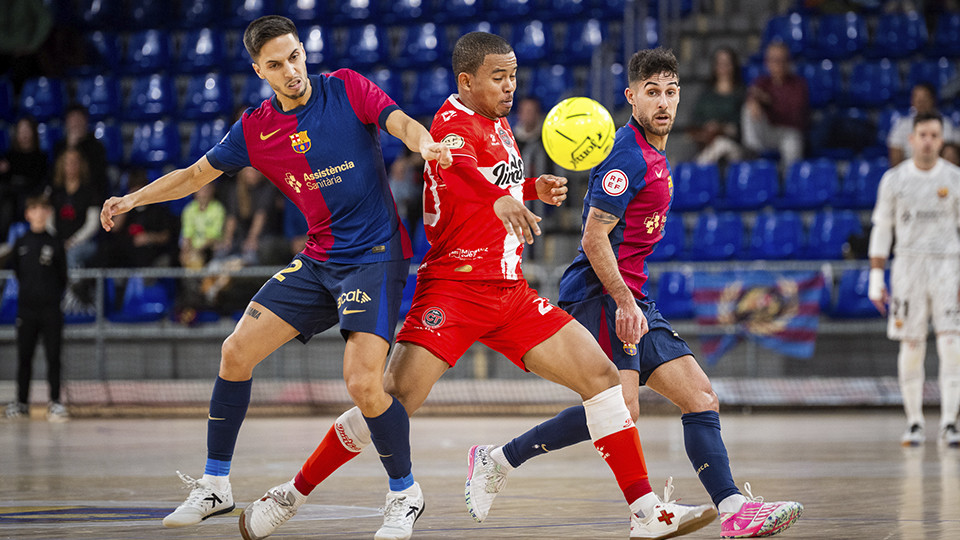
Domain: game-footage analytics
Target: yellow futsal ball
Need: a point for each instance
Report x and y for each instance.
(578, 133)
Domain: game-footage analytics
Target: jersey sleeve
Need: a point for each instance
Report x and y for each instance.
(371, 104)
(230, 154)
(463, 176)
(884, 213)
(615, 182)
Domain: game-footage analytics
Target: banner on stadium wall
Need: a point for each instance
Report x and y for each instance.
(778, 310)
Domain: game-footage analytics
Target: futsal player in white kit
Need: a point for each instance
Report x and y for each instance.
(920, 200)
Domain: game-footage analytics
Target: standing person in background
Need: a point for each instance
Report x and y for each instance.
(40, 265)
(23, 172)
(919, 200)
(77, 136)
(717, 111)
(923, 100)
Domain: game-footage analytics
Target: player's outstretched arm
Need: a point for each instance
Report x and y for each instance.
(417, 138)
(171, 186)
(631, 323)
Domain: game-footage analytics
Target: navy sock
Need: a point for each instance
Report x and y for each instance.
(565, 429)
(228, 407)
(390, 433)
(701, 437)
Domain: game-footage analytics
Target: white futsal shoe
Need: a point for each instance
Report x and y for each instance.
(913, 436)
(400, 513)
(204, 501)
(485, 479)
(950, 435)
(264, 515)
(669, 519)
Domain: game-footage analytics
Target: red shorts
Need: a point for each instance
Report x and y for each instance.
(447, 317)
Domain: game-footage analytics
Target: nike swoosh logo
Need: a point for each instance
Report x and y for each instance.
(351, 311)
(212, 418)
(660, 172)
(268, 135)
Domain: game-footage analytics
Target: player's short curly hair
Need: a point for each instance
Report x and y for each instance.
(471, 49)
(649, 62)
(263, 30)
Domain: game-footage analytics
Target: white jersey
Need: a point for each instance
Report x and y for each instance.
(923, 207)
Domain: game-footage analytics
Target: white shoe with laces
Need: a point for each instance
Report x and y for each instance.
(264, 515)
(204, 501)
(57, 413)
(950, 435)
(669, 519)
(913, 436)
(485, 479)
(400, 513)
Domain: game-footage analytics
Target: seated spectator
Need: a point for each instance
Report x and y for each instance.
(201, 227)
(406, 183)
(76, 208)
(718, 111)
(252, 215)
(77, 136)
(528, 130)
(923, 99)
(145, 236)
(775, 113)
(23, 172)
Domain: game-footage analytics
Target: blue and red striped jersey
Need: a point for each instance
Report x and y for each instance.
(635, 184)
(325, 157)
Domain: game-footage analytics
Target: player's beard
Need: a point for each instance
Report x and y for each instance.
(647, 123)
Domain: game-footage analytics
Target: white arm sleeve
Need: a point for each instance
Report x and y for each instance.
(881, 237)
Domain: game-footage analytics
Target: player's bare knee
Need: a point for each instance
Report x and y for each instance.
(232, 360)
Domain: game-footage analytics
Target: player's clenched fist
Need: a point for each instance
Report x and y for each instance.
(437, 151)
(113, 206)
(552, 189)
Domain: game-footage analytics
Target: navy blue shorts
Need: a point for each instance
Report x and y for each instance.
(658, 346)
(312, 296)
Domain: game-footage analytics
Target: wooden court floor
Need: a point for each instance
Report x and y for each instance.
(115, 479)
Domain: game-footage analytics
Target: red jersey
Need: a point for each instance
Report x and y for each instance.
(467, 240)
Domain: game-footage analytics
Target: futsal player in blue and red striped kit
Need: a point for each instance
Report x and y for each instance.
(317, 140)
(624, 214)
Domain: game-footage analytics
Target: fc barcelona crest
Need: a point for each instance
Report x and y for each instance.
(300, 142)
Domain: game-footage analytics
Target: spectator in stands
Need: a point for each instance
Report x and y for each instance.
(528, 131)
(77, 212)
(143, 237)
(41, 269)
(201, 227)
(718, 111)
(77, 136)
(251, 209)
(406, 182)
(23, 172)
(775, 113)
(923, 100)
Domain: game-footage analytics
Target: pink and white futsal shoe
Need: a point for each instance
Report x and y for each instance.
(757, 519)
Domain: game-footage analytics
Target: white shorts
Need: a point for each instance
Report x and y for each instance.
(923, 287)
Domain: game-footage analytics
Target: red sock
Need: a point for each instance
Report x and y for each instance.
(623, 454)
(328, 457)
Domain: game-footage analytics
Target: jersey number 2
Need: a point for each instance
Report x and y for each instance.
(294, 266)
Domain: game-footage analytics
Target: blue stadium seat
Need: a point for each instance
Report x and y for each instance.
(366, 45)
(7, 108)
(48, 134)
(674, 297)
(100, 13)
(100, 53)
(141, 302)
(694, 186)
(553, 83)
(151, 97)
(829, 232)
(202, 50)
(110, 136)
(511, 10)
(150, 14)
(303, 11)
(776, 235)
(898, 35)
(531, 41)
(874, 83)
(823, 80)
(430, 88)
(750, 185)
(254, 91)
(566, 10)
(318, 46)
(809, 184)
(717, 236)
(42, 98)
(886, 118)
(859, 188)
(673, 243)
(207, 96)
(8, 301)
(421, 45)
(238, 61)
(946, 37)
(793, 29)
(852, 301)
(240, 13)
(355, 11)
(200, 13)
(937, 72)
(608, 9)
(4, 139)
(390, 82)
(100, 94)
(841, 35)
(458, 10)
(406, 11)
(148, 51)
(843, 134)
(155, 144)
(582, 39)
(205, 135)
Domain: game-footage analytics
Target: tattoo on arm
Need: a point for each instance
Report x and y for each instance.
(603, 217)
(199, 168)
(253, 313)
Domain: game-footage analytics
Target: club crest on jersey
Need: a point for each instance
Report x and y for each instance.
(943, 192)
(630, 349)
(433, 317)
(614, 182)
(505, 137)
(300, 142)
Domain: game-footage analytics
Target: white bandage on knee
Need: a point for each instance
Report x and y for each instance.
(352, 430)
(607, 413)
(910, 373)
(948, 349)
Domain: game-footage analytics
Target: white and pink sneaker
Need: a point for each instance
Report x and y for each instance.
(757, 519)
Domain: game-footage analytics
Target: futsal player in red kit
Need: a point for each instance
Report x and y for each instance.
(470, 288)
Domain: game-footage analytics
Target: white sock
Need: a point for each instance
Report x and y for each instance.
(643, 506)
(500, 459)
(731, 504)
(948, 349)
(219, 483)
(910, 374)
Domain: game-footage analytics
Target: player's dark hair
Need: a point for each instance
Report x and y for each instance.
(926, 116)
(471, 49)
(263, 30)
(37, 200)
(649, 62)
